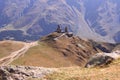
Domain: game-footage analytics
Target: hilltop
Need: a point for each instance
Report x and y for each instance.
(62, 49)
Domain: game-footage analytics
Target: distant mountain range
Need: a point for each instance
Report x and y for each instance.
(29, 19)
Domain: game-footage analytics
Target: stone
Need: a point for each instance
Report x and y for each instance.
(23, 72)
(102, 59)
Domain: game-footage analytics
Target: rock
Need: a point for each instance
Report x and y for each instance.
(58, 29)
(102, 59)
(23, 72)
(114, 54)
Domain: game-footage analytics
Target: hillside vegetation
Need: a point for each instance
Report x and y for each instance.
(68, 54)
(111, 72)
(58, 50)
(61, 50)
(42, 55)
(7, 47)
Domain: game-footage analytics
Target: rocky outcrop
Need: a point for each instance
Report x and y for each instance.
(23, 72)
(102, 59)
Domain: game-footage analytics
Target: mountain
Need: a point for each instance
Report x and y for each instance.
(30, 19)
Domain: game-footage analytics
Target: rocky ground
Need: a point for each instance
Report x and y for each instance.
(23, 72)
(102, 59)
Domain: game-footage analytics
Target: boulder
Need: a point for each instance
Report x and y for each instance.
(23, 72)
(102, 59)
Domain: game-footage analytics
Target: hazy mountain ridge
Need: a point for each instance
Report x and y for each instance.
(98, 20)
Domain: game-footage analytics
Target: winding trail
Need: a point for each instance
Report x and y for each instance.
(14, 55)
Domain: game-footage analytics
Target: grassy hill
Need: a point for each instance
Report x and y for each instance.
(59, 50)
(43, 55)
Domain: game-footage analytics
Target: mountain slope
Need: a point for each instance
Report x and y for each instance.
(61, 50)
(30, 19)
(7, 47)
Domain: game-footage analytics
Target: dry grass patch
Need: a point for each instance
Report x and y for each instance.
(76, 73)
(7, 47)
(42, 55)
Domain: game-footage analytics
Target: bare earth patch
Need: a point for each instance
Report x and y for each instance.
(7, 47)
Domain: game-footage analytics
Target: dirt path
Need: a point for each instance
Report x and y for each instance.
(14, 55)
